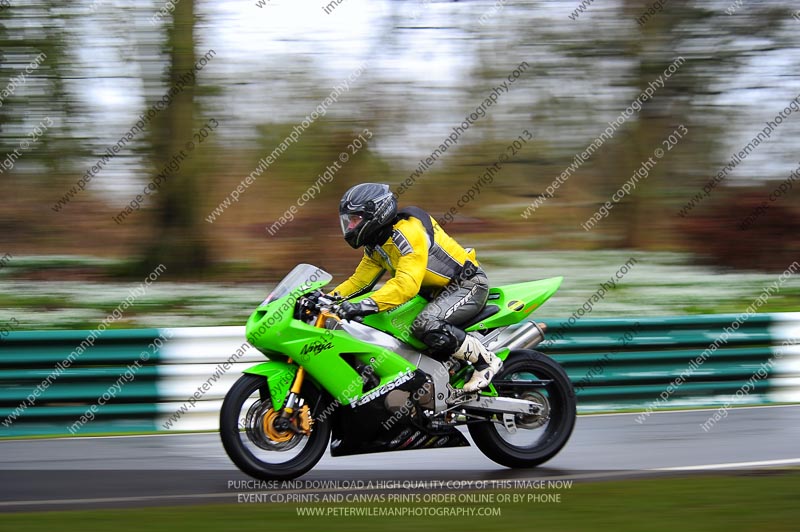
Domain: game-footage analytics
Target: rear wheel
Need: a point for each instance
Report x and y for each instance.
(538, 437)
(260, 443)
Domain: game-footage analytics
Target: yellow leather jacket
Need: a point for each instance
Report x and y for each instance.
(412, 261)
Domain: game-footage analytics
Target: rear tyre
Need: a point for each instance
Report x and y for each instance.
(539, 437)
(254, 444)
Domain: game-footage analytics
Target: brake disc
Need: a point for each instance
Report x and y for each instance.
(259, 425)
(534, 421)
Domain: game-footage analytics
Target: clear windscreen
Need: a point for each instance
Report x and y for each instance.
(299, 280)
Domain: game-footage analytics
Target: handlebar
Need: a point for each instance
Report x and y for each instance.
(330, 303)
(327, 302)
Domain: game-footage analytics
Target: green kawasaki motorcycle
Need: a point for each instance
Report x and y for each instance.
(368, 387)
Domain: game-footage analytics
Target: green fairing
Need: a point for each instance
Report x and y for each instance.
(274, 331)
(398, 320)
(280, 376)
(318, 349)
(530, 295)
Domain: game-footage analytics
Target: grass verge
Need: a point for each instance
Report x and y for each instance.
(758, 501)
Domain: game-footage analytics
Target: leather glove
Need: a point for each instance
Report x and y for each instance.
(365, 307)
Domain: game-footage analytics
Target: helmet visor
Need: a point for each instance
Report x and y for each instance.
(349, 222)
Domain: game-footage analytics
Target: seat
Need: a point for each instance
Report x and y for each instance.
(488, 310)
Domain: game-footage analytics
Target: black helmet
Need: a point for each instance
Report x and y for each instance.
(364, 211)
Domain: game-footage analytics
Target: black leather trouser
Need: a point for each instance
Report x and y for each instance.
(437, 325)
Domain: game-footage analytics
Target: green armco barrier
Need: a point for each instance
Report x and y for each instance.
(47, 382)
(660, 363)
(655, 366)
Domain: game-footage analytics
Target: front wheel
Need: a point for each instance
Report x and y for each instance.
(539, 437)
(259, 444)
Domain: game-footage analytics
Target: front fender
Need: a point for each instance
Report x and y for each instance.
(280, 376)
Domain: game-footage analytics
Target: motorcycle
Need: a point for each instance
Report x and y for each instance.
(367, 385)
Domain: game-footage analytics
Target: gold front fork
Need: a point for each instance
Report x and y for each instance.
(291, 401)
(294, 392)
(298, 380)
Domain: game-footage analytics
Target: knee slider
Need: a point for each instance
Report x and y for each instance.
(444, 340)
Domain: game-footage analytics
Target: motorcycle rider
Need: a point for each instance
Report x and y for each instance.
(423, 259)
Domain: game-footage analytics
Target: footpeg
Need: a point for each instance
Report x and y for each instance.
(457, 396)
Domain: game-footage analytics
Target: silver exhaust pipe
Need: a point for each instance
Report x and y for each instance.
(527, 336)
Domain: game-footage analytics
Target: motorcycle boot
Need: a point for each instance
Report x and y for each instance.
(486, 363)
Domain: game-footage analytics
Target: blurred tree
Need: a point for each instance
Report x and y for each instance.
(33, 38)
(686, 29)
(178, 238)
(430, 64)
(654, 46)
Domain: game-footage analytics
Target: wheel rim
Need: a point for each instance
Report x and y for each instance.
(259, 435)
(534, 421)
(533, 430)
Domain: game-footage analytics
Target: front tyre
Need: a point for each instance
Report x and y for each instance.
(260, 447)
(538, 437)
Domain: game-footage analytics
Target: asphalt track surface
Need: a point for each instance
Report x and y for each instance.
(76, 473)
